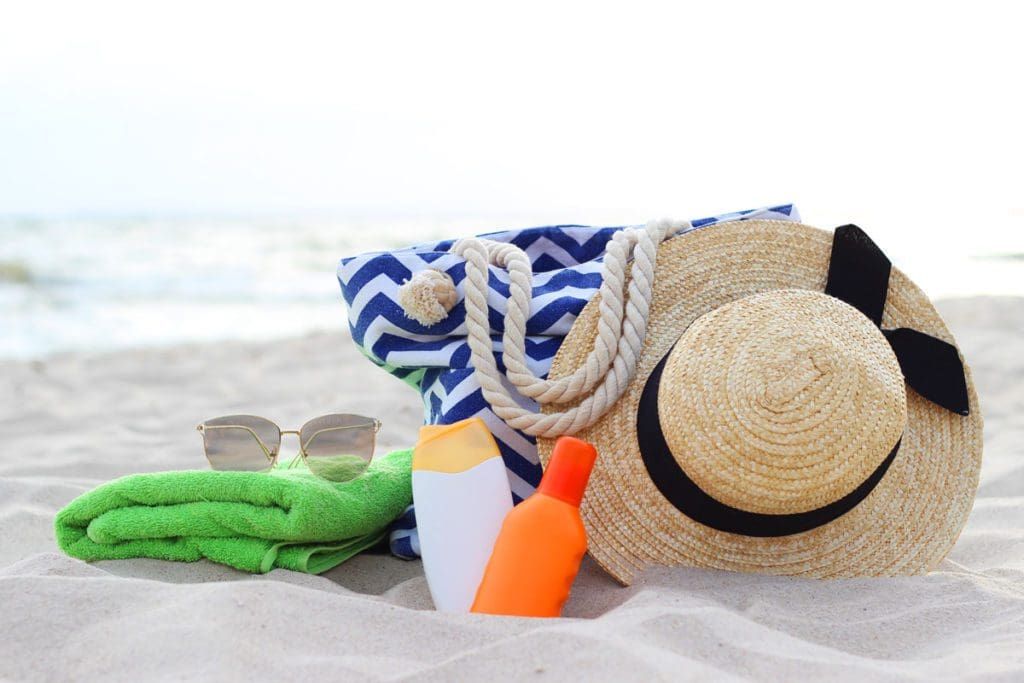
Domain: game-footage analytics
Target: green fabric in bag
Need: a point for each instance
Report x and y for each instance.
(253, 521)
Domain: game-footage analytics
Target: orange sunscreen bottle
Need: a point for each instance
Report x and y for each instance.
(541, 542)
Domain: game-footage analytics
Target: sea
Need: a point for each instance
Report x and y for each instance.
(106, 283)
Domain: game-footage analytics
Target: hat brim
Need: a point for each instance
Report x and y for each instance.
(905, 526)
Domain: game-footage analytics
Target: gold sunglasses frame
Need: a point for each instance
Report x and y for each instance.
(272, 455)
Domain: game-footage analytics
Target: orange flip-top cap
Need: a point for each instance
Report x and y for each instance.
(568, 470)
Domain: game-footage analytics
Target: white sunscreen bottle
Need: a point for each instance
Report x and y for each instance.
(461, 493)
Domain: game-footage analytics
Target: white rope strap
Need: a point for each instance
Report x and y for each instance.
(610, 365)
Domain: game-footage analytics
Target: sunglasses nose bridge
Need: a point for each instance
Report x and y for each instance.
(297, 433)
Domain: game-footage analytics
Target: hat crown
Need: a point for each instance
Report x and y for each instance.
(781, 402)
(794, 370)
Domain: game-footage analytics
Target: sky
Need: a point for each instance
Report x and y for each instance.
(898, 115)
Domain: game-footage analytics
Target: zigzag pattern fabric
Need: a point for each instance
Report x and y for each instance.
(435, 360)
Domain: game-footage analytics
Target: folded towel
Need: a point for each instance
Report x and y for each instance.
(253, 521)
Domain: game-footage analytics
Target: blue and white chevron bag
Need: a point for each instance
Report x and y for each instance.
(435, 358)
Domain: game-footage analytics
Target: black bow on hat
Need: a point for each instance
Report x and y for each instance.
(858, 273)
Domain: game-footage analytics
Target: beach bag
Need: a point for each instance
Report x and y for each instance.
(407, 312)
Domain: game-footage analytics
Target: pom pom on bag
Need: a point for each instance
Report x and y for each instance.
(409, 314)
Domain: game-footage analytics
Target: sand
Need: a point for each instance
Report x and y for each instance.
(74, 421)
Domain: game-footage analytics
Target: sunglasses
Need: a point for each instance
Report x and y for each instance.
(335, 447)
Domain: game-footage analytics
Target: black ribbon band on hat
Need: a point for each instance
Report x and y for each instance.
(695, 503)
(859, 275)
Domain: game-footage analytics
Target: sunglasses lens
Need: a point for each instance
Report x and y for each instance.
(338, 447)
(234, 442)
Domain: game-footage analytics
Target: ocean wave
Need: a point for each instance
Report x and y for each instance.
(1007, 256)
(70, 284)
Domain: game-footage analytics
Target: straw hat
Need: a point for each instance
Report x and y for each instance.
(798, 408)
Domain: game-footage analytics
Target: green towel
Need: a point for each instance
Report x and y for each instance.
(253, 521)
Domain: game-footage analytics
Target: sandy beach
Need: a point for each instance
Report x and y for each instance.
(74, 421)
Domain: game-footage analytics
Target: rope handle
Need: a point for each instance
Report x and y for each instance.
(608, 367)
